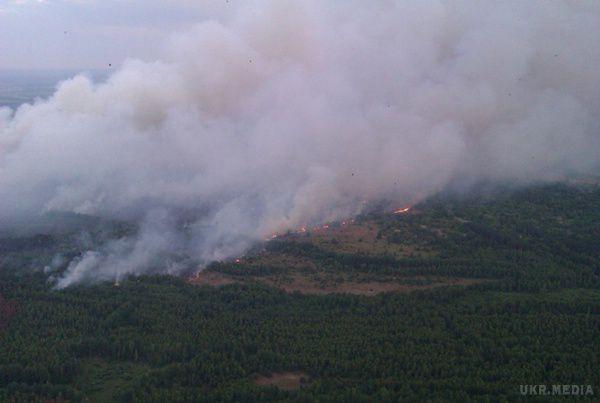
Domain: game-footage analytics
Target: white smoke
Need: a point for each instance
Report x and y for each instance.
(297, 112)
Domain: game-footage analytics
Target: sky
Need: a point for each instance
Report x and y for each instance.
(91, 34)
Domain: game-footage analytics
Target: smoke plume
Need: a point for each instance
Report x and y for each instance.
(291, 113)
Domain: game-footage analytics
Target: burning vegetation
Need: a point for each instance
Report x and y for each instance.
(402, 210)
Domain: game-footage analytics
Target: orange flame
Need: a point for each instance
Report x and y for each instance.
(402, 210)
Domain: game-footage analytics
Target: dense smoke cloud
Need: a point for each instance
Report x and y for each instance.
(298, 112)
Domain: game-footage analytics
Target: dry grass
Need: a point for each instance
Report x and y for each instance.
(354, 238)
(280, 260)
(311, 284)
(304, 275)
(211, 278)
(307, 285)
(8, 308)
(283, 380)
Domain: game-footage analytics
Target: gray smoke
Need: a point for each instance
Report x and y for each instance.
(298, 112)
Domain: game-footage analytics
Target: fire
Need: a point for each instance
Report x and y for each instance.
(238, 260)
(402, 210)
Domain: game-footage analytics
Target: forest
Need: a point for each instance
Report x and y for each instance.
(529, 314)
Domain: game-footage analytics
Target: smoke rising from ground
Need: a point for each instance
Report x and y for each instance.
(298, 112)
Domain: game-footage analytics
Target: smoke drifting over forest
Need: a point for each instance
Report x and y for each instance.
(292, 113)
